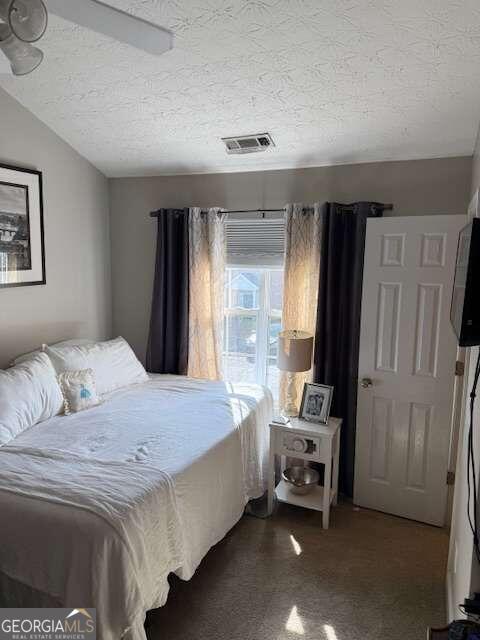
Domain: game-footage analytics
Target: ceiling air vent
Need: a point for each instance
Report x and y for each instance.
(249, 144)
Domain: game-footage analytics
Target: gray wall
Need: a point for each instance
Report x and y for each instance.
(417, 187)
(76, 301)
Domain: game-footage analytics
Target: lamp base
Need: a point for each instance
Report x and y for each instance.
(290, 409)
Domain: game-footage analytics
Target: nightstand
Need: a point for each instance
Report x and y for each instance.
(312, 442)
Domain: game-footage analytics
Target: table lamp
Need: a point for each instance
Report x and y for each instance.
(295, 350)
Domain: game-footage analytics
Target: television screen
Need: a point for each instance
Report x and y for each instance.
(465, 307)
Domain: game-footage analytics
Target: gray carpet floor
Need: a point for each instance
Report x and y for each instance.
(369, 577)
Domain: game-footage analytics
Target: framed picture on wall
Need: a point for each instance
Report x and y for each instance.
(22, 250)
(316, 402)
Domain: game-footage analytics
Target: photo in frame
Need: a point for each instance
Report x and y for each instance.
(316, 402)
(22, 243)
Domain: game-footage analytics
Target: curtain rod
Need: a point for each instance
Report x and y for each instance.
(155, 214)
(384, 207)
(256, 211)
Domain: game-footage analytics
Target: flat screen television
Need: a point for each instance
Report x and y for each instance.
(465, 309)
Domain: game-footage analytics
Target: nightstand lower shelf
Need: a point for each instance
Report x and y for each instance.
(312, 500)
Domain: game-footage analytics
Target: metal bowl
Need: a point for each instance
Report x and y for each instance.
(301, 480)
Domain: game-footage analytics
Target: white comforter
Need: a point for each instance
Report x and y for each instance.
(97, 508)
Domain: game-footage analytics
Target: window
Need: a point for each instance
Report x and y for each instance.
(253, 299)
(253, 317)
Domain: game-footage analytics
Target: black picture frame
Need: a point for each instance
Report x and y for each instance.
(32, 181)
(323, 390)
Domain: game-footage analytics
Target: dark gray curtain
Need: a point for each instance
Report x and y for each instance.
(338, 317)
(167, 350)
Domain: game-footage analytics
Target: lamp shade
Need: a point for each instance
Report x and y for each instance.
(295, 350)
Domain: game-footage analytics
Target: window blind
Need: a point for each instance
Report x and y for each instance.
(255, 242)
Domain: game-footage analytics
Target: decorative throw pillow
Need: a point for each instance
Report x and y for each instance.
(78, 389)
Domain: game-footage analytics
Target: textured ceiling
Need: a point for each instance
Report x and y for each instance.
(333, 81)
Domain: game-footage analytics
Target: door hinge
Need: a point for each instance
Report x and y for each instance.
(450, 478)
(459, 368)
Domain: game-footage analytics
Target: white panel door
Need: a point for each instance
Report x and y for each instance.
(406, 366)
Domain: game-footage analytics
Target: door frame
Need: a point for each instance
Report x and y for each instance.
(458, 419)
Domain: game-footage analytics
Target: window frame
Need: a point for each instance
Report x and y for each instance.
(262, 314)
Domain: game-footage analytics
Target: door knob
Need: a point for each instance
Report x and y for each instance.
(366, 382)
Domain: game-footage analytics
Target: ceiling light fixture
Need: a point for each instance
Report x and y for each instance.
(27, 19)
(24, 22)
(23, 57)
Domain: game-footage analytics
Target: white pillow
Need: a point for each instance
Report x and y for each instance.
(29, 393)
(65, 343)
(113, 362)
(79, 391)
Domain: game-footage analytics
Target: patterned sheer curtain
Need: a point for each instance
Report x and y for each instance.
(207, 256)
(302, 269)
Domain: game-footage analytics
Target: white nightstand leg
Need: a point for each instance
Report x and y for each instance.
(336, 456)
(271, 473)
(327, 481)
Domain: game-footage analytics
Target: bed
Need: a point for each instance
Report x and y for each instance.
(99, 507)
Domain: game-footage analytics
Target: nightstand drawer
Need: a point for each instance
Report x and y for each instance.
(292, 444)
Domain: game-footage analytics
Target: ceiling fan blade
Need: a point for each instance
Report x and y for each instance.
(114, 23)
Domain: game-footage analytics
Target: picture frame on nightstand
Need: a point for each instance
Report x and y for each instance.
(316, 402)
